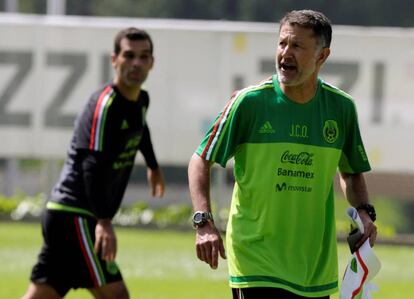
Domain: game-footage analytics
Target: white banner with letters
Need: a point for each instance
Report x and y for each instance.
(50, 65)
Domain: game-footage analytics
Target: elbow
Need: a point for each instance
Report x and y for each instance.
(198, 165)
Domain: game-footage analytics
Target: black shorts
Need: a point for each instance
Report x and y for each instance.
(67, 259)
(267, 293)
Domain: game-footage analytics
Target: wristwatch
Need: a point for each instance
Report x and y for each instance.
(369, 209)
(201, 218)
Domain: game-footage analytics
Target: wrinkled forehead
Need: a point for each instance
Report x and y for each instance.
(296, 32)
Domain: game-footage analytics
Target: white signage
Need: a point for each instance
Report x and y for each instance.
(50, 65)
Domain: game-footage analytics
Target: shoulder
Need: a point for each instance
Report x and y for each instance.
(98, 102)
(95, 101)
(336, 92)
(144, 97)
(101, 95)
(257, 89)
(253, 93)
(333, 93)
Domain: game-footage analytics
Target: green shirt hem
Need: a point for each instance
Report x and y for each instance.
(270, 281)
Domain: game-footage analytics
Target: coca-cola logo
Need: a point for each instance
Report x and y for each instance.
(302, 158)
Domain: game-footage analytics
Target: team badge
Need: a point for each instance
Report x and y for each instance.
(330, 131)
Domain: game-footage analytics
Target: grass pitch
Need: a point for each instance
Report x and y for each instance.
(163, 264)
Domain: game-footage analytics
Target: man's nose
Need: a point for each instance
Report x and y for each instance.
(287, 51)
(136, 61)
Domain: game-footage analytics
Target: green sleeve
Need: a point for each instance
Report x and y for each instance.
(225, 134)
(354, 158)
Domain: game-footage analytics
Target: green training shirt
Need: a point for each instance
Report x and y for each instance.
(281, 229)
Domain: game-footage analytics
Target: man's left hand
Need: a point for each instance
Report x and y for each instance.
(156, 182)
(370, 229)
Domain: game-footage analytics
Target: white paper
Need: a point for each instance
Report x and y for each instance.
(356, 222)
(362, 267)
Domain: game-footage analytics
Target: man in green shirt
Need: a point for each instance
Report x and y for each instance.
(288, 135)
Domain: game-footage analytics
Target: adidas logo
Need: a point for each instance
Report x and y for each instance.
(124, 125)
(266, 128)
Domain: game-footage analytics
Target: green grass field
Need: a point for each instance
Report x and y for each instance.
(162, 264)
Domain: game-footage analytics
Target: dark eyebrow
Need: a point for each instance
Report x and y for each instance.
(146, 51)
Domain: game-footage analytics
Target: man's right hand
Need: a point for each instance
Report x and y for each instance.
(209, 244)
(105, 240)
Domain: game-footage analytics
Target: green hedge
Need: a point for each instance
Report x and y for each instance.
(392, 218)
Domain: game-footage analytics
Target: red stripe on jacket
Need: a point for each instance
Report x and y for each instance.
(96, 116)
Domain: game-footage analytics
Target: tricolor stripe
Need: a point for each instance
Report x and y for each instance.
(99, 116)
(89, 255)
(221, 124)
(217, 128)
(239, 294)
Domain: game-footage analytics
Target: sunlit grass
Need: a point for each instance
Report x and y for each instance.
(162, 264)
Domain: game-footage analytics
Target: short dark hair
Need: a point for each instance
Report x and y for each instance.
(314, 20)
(131, 33)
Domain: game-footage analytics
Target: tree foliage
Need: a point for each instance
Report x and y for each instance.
(345, 12)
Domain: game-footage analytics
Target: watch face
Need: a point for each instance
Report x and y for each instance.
(198, 218)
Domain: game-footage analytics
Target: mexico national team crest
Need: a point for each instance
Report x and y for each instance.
(330, 131)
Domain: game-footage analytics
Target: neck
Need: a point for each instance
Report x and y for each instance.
(128, 92)
(301, 93)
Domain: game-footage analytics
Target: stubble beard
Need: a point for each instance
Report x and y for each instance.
(285, 80)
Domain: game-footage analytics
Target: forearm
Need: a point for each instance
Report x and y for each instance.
(93, 180)
(199, 183)
(208, 240)
(354, 188)
(147, 150)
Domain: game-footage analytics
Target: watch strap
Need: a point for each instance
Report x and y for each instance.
(369, 209)
(200, 218)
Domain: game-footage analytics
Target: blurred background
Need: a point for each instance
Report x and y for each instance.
(54, 53)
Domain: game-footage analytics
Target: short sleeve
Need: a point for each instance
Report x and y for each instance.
(225, 134)
(354, 158)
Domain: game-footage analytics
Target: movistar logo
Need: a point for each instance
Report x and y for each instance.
(280, 187)
(124, 125)
(266, 128)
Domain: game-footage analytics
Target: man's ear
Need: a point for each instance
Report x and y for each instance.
(323, 55)
(113, 58)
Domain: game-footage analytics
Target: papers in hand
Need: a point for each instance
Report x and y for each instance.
(362, 267)
(357, 228)
(356, 222)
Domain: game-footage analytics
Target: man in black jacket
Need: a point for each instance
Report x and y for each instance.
(79, 240)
